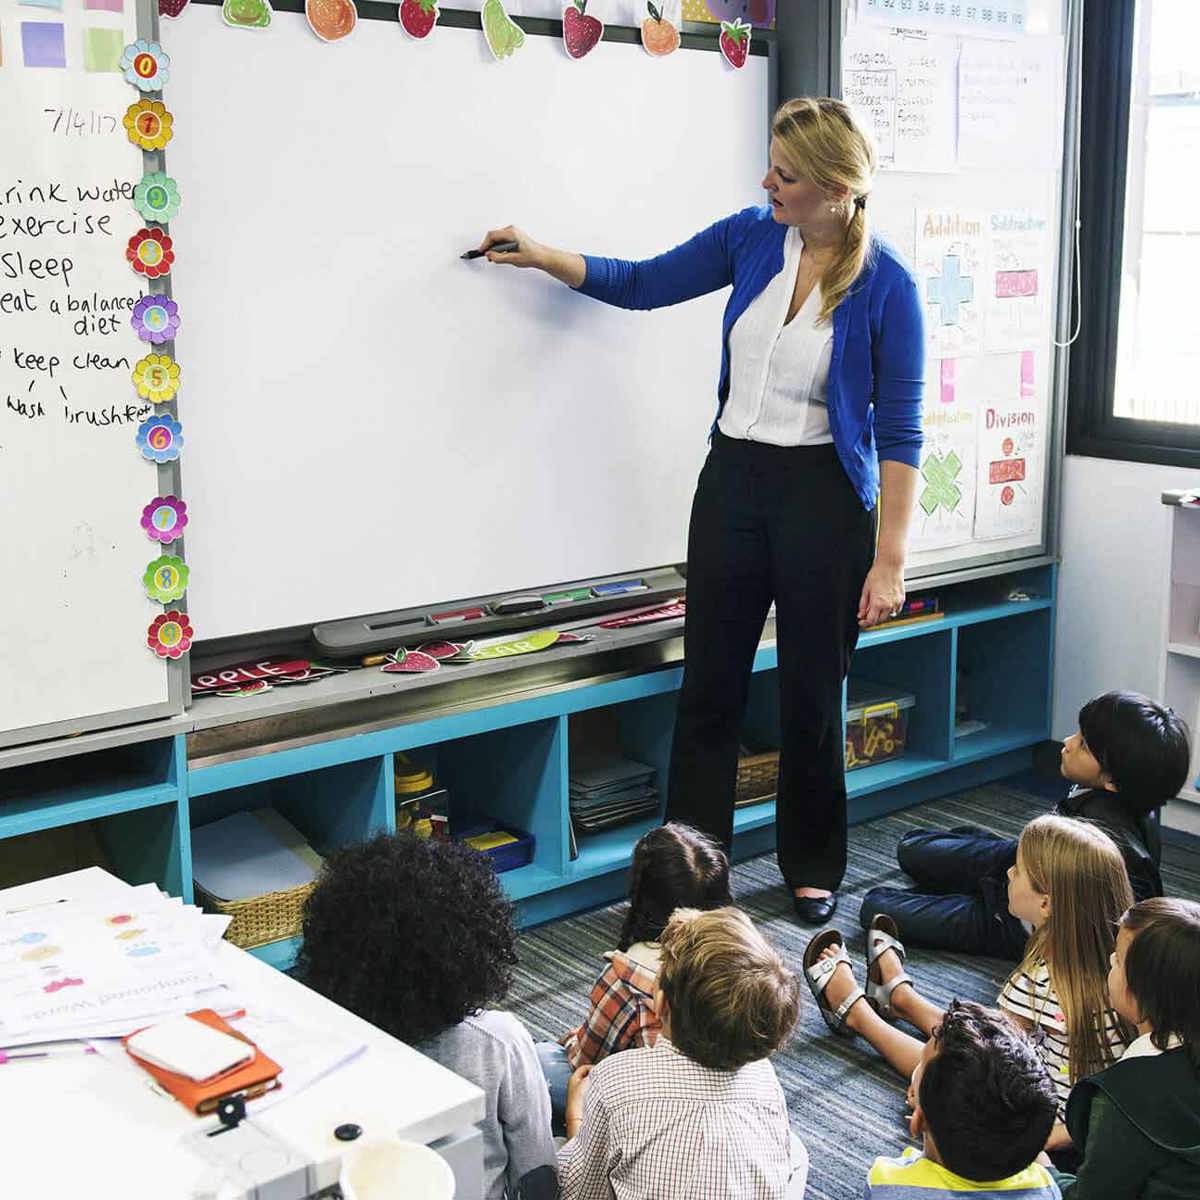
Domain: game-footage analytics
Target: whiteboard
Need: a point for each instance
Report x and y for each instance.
(73, 613)
(970, 133)
(376, 424)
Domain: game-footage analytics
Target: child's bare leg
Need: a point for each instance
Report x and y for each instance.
(907, 1003)
(901, 1050)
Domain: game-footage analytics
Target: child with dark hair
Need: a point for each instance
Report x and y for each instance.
(416, 937)
(984, 1105)
(674, 866)
(700, 1113)
(1128, 759)
(1137, 1124)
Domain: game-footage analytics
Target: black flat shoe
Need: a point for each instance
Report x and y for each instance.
(815, 910)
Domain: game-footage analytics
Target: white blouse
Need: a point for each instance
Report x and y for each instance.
(779, 372)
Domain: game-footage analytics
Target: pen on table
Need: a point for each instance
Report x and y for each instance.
(57, 1052)
(499, 247)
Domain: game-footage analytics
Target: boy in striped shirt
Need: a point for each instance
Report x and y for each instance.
(984, 1107)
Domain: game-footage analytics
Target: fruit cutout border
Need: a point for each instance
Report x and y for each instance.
(331, 20)
(503, 35)
(581, 33)
(157, 197)
(146, 65)
(410, 662)
(156, 378)
(660, 36)
(418, 17)
(247, 14)
(149, 253)
(160, 439)
(735, 42)
(171, 8)
(149, 124)
(166, 579)
(170, 635)
(164, 519)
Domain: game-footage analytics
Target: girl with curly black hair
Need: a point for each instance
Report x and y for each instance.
(417, 938)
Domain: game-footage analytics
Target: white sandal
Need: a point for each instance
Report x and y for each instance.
(818, 972)
(882, 936)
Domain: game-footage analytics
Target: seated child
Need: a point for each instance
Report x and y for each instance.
(417, 937)
(984, 1106)
(700, 1113)
(1069, 884)
(1128, 759)
(1137, 1124)
(674, 866)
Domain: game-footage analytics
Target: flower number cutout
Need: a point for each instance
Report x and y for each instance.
(157, 197)
(146, 65)
(148, 124)
(155, 319)
(166, 578)
(160, 439)
(149, 253)
(170, 634)
(164, 519)
(156, 378)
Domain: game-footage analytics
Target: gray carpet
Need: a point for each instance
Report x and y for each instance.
(846, 1105)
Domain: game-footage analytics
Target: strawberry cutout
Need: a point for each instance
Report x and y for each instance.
(418, 17)
(735, 42)
(580, 32)
(410, 662)
(659, 36)
(171, 8)
(441, 650)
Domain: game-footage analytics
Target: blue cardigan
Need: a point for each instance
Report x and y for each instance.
(877, 367)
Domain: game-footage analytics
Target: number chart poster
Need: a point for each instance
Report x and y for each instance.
(72, 483)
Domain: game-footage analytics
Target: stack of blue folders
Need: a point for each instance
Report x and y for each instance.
(607, 789)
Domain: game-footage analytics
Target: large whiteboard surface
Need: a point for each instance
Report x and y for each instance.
(374, 423)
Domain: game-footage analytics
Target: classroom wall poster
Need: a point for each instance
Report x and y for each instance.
(1019, 282)
(997, 18)
(1010, 111)
(950, 262)
(1012, 435)
(944, 514)
(902, 86)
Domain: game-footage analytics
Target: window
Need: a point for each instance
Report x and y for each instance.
(1135, 368)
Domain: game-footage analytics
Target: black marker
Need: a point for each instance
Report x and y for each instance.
(499, 247)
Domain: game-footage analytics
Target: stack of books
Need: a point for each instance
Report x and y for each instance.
(607, 790)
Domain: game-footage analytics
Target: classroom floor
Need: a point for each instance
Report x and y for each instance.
(845, 1104)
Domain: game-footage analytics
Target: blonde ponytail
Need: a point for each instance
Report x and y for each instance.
(823, 143)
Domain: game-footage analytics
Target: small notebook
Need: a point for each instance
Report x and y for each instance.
(252, 1078)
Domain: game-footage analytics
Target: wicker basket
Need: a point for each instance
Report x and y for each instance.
(757, 778)
(261, 919)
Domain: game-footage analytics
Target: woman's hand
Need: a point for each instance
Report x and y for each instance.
(577, 1088)
(882, 594)
(527, 254)
(563, 265)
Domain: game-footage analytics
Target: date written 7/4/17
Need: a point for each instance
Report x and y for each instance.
(74, 122)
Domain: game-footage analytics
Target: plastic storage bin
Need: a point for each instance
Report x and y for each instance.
(505, 848)
(876, 723)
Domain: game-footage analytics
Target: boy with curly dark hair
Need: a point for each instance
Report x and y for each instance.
(417, 938)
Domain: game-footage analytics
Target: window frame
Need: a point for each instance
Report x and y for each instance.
(1093, 431)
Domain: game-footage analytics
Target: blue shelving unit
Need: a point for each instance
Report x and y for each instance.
(510, 759)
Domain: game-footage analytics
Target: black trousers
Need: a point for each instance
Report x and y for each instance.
(960, 902)
(782, 524)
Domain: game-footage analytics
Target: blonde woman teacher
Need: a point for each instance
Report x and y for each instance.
(818, 431)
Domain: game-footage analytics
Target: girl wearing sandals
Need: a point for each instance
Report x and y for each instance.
(1070, 888)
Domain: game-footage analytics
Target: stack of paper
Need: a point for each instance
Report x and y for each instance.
(608, 790)
(250, 854)
(105, 966)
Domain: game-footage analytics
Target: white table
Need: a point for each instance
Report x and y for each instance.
(86, 1127)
